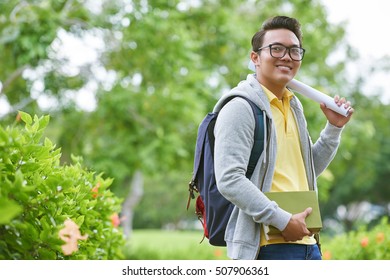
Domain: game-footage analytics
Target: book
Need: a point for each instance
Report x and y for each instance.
(296, 202)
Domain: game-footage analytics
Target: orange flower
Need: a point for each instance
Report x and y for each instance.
(218, 253)
(364, 242)
(327, 255)
(115, 221)
(70, 234)
(18, 117)
(95, 190)
(380, 237)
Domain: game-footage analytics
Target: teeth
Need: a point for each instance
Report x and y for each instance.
(285, 67)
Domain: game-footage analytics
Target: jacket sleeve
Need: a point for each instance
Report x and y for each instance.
(325, 148)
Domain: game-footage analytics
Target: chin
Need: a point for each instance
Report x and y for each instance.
(285, 79)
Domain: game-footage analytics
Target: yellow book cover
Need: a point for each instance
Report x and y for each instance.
(296, 202)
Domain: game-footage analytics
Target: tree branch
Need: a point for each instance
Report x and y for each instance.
(132, 199)
(17, 73)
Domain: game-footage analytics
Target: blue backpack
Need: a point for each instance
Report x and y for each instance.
(212, 209)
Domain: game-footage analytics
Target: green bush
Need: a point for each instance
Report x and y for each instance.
(362, 244)
(38, 195)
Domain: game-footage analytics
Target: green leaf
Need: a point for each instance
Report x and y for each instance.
(26, 117)
(44, 234)
(46, 254)
(8, 210)
(18, 179)
(43, 122)
(48, 143)
(80, 220)
(3, 136)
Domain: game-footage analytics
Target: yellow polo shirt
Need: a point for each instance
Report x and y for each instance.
(290, 173)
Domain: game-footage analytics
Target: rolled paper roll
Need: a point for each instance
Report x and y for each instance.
(312, 93)
(317, 96)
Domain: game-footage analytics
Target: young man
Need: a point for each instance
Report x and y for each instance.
(290, 161)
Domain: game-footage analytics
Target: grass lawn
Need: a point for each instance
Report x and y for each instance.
(171, 245)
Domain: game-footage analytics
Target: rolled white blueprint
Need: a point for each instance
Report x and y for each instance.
(317, 96)
(312, 93)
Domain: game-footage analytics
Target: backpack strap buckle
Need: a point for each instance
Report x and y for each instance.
(191, 189)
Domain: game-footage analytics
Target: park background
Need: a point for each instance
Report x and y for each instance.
(99, 107)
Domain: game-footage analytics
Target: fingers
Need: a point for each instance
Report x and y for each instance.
(296, 228)
(307, 212)
(341, 100)
(347, 104)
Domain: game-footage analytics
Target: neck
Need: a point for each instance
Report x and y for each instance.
(276, 89)
(279, 93)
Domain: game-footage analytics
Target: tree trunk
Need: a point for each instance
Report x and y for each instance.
(134, 196)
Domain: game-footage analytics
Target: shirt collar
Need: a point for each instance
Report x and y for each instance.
(287, 95)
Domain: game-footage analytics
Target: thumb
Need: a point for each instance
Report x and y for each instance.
(308, 211)
(323, 107)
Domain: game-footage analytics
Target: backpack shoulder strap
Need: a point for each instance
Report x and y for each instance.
(258, 145)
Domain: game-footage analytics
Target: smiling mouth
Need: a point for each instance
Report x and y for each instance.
(284, 67)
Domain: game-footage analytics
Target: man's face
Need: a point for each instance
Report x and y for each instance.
(276, 72)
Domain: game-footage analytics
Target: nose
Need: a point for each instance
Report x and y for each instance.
(286, 56)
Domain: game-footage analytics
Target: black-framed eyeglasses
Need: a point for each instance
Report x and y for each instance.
(279, 51)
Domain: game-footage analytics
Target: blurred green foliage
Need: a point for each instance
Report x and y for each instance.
(362, 244)
(171, 245)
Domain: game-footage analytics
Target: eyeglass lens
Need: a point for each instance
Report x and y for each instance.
(279, 51)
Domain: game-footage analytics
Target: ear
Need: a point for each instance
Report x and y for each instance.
(255, 57)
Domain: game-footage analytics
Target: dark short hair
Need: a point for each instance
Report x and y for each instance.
(277, 22)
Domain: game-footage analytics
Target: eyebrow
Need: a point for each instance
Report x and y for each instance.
(278, 43)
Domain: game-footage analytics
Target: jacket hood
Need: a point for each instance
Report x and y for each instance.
(249, 88)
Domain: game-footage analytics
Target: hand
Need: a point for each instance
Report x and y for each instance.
(296, 228)
(334, 118)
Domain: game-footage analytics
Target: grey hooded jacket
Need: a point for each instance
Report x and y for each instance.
(233, 143)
